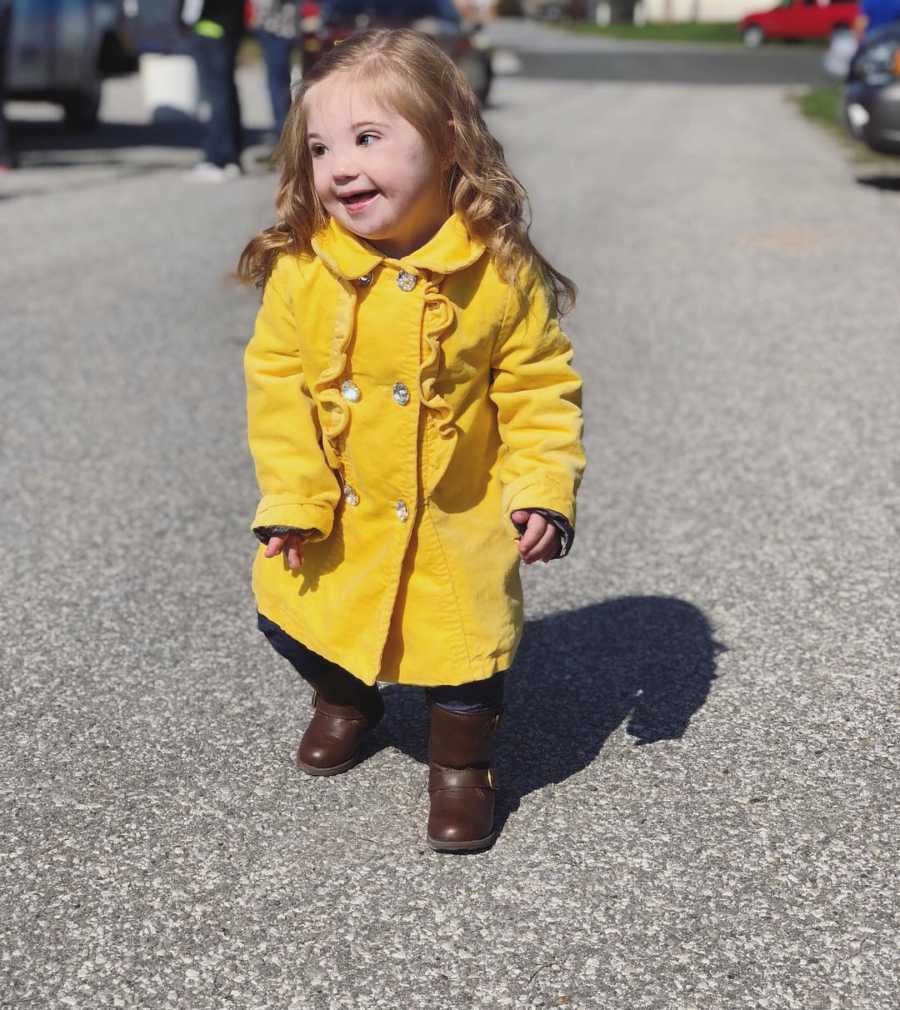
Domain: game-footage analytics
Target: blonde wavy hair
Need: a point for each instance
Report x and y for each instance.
(409, 74)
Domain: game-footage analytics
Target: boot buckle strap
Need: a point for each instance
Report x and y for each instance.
(440, 777)
(345, 713)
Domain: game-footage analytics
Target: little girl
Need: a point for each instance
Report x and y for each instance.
(412, 410)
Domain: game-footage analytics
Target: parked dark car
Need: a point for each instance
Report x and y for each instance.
(872, 92)
(554, 10)
(466, 44)
(61, 50)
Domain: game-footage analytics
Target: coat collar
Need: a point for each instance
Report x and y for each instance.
(451, 249)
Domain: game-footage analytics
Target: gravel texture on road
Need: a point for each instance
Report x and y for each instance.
(698, 763)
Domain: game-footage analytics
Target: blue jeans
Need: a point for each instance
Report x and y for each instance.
(216, 59)
(277, 58)
(344, 689)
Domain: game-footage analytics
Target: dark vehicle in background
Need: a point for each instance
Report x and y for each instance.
(321, 28)
(554, 10)
(872, 92)
(61, 50)
(799, 19)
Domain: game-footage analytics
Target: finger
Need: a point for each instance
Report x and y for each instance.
(273, 547)
(294, 557)
(537, 525)
(543, 549)
(519, 520)
(552, 550)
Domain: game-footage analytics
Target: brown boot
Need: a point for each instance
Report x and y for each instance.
(461, 780)
(332, 740)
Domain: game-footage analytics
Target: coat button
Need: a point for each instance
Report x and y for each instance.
(400, 394)
(365, 280)
(406, 281)
(350, 391)
(350, 496)
(402, 511)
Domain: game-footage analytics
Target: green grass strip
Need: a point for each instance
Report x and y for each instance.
(823, 105)
(696, 31)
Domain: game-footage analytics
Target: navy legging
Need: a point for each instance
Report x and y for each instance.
(344, 688)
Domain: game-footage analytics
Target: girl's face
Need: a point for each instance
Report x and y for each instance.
(372, 169)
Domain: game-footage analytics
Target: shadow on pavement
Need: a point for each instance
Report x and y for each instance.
(33, 138)
(885, 183)
(645, 662)
(669, 66)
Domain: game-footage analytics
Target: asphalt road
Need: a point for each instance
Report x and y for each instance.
(543, 53)
(699, 759)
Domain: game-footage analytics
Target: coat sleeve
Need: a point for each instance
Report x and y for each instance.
(537, 394)
(298, 487)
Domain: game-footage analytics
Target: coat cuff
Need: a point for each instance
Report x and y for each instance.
(537, 495)
(279, 510)
(265, 533)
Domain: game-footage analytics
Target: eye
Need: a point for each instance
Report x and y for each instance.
(366, 139)
(317, 150)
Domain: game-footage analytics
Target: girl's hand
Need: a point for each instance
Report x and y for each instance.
(539, 541)
(292, 548)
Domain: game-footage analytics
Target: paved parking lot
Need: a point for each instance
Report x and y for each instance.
(699, 757)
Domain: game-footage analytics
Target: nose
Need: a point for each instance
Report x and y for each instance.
(343, 168)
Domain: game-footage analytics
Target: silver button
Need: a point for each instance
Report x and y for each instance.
(350, 496)
(350, 391)
(406, 281)
(365, 280)
(402, 511)
(400, 394)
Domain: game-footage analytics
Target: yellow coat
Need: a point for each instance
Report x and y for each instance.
(403, 409)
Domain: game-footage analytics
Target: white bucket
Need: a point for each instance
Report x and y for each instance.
(170, 87)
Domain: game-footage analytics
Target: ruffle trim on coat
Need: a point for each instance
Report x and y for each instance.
(332, 409)
(349, 258)
(440, 318)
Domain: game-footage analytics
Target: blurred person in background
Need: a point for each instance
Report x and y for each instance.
(274, 24)
(7, 155)
(217, 27)
(875, 14)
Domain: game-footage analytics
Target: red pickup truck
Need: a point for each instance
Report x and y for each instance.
(799, 19)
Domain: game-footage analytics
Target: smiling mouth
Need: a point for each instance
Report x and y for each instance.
(358, 201)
